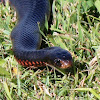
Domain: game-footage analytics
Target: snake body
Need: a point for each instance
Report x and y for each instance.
(26, 37)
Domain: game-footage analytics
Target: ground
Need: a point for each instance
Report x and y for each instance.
(76, 28)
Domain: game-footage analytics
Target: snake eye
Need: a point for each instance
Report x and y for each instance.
(57, 62)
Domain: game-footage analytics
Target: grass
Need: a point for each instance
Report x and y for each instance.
(75, 27)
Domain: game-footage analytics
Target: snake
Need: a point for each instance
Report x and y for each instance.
(26, 36)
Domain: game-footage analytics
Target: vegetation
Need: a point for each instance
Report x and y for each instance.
(75, 27)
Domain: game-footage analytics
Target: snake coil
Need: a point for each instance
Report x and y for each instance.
(26, 37)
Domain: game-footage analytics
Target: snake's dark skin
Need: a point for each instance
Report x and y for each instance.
(26, 36)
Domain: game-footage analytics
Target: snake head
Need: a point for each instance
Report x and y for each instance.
(60, 58)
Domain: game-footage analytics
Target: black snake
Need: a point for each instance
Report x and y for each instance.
(26, 36)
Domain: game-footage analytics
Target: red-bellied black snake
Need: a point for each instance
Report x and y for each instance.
(26, 37)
